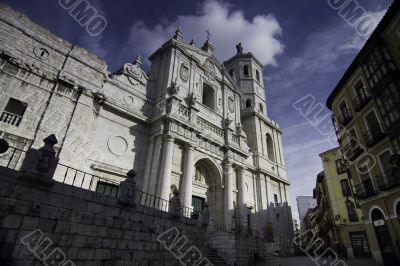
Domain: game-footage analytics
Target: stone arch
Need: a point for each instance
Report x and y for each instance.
(373, 209)
(213, 180)
(396, 207)
(270, 147)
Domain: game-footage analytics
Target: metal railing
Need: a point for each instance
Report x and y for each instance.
(12, 158)
(365, 189)
(374, 135)
(77, 178)
(360, 101)
(389, 179)
(11, 119)
(68, 175)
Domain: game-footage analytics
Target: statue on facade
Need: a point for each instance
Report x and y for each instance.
(173, 89)
(205, 215)
(41, 163)
(228, 122)
(239, 48)
(127, 189)
(175, 204)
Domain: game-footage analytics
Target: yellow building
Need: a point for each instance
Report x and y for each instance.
(346, 232)
(366, 112)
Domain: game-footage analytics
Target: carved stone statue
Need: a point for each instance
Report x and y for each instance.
(127, 189)
(175, 204)
(41, 163)
(192, 99)
(205, 215)
(239, 48)
(228, 121)
(173, 89)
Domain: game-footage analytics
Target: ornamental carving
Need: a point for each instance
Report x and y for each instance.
(209, 68)
(231, 104)
(184, 73)
(134, 72)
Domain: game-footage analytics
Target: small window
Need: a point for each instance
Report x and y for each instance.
(198, 204)
(208, 96)
(351, 211)
(261, 108)
(346, 191)
(107, 189)
(344, 111)
(275, 198)
(13, 113)
(246, 71)
(340, 166)
(258, 76)
(231, 73)
(248, 103)
(270, 148)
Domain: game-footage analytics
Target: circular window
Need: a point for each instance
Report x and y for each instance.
(41, 53)
(117, 145)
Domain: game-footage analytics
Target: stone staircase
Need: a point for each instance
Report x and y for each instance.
(214, 258)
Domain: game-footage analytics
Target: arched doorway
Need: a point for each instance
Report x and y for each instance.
(207, 189)
(382, 234)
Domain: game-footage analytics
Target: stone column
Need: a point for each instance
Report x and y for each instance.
(186, 190)
(241, 196)
(165, 173)
(228, 187)
(149, 160)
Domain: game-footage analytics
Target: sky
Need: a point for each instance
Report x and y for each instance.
(305, 47)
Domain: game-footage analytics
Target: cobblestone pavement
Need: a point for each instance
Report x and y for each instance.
(305, 261)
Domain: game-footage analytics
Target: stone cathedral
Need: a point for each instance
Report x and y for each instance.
(191, 124)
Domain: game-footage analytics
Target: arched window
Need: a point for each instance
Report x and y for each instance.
(258, 76)
(231, 72)
(248, 103)
(377, 215)
(246, 71)
(270, 148)
(208, 96)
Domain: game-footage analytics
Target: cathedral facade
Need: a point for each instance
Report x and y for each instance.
(191, 124)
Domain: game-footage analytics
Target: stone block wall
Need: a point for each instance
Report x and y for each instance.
(90, 229)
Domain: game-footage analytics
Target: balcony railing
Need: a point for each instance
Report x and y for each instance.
(11, 119)
(346, 119)
(353, 150)
(360, 101)
(365, 189)
(389, 179)
(374, 135)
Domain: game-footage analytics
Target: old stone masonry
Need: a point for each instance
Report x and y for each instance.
(196, 132)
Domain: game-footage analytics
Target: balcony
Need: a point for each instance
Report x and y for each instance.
(374, 135)
(360, 101)
(11, 119)
(389, 179)
(365, 189)
(345, 120)
(353, 150)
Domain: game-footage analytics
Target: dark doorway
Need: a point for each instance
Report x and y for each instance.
(384, 240)
(359, 242)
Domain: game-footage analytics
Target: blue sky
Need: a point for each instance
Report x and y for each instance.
(305, 45)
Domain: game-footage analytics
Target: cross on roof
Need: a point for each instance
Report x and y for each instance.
(208, 34)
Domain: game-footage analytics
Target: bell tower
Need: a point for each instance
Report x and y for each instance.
(247, 70)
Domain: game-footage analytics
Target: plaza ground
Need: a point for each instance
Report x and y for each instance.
(305, 261)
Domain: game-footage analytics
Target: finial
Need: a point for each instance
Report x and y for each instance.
(178, 34)
(138, 61)
(193, 43)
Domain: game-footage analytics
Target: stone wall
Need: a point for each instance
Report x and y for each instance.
(89, 228)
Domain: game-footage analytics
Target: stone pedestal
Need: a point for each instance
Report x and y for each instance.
(127, 189)
(41, 164)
